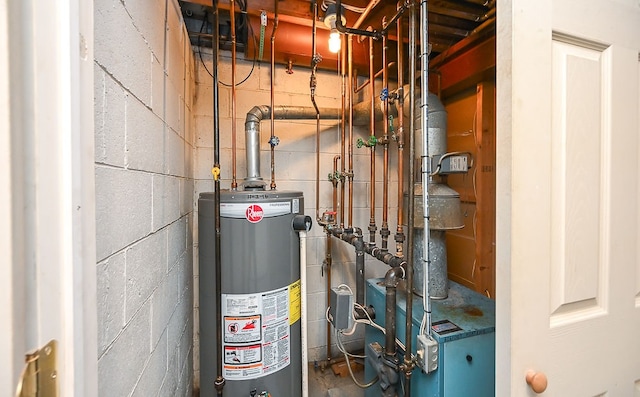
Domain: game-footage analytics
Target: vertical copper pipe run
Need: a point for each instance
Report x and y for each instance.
(384, 230)
(351, 85)
(232, 8)
(410, 214)
(272, 140)
(372, 144)
(399, 237)
(343, 125)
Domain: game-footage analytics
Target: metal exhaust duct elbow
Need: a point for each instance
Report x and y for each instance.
(254, 180)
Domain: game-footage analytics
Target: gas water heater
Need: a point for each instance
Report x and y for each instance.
(260, 256)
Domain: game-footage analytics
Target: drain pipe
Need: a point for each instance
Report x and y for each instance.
(273, 140)
(219, 381)
(302, 224)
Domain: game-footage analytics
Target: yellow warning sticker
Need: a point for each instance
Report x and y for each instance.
(295, 305)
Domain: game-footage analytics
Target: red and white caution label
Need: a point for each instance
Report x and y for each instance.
(256, 333)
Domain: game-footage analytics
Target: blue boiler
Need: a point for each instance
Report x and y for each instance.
(464, 327)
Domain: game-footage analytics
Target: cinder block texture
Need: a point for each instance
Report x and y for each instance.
(144, 198)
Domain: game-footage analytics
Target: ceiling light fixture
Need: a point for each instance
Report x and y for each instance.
(330, 20)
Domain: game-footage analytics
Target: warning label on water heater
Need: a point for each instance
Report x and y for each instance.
(256, 339)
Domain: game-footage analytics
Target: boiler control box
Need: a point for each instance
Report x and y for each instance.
(341, 309)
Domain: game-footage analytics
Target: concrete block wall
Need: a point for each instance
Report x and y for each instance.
(295, 170)
(144, 86)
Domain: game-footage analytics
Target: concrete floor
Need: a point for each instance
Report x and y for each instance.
(324, 383)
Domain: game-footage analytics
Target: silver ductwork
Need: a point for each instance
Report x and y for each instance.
(254, 179)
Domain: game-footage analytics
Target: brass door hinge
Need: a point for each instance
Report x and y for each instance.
(40, 377)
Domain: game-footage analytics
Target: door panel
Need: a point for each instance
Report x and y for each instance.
(568, 201)
(578, 163)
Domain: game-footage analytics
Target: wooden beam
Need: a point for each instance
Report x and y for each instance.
(485, 177)
(292, 11)
(468, 68)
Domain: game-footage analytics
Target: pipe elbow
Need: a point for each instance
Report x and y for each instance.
(393, 277)
(257, 114)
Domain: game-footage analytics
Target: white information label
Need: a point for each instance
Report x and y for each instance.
(459, 163)
(256, 333)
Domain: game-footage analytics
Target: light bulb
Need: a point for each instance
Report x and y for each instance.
(334, 41)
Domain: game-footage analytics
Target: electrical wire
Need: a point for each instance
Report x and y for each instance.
(353, 377)
(358, 10)
(243, 9)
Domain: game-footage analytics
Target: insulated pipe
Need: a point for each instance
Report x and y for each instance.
(372, 131)
(391, 280)
(272, 141)
(426, 164)
(399, 237)
(408, 361)
(384, 230)
(219, 381)
(234, 182)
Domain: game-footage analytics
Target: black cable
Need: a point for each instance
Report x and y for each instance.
(255, 53)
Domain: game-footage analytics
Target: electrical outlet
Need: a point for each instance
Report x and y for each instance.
(427, 353)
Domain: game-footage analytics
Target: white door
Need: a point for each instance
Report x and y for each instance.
(568, 241)
(47, 204)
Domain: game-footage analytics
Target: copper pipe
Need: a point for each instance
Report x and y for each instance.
(384, 230)
(351, 31)
(399, 237)
(372, 132)
(350, 82)
(378, 73)
(272, 140)
(234, 183)
(312, 86)
(372, 4)
(343, 125)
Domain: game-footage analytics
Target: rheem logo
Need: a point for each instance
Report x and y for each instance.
(254, 213)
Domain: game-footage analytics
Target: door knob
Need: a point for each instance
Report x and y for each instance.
(537, 381)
